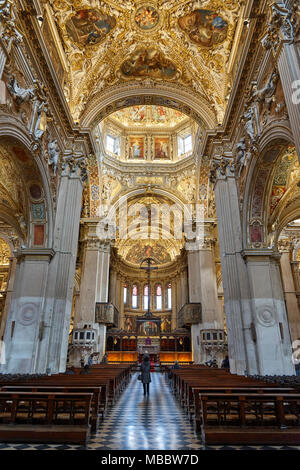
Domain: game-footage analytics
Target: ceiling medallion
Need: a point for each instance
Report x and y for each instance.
(146, 17)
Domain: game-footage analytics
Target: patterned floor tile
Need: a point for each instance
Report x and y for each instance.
(156, 422)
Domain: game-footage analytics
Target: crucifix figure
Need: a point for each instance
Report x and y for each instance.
(148, 261)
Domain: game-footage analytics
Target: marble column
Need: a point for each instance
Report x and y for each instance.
(289, 70)
(178, 292)
(270, 327)
(112, 285)
(291, 300)
(203, 288)
(95, 272)
(258, 334)
(93, 287)
(286, 51)
(121, 310)
(61, 281)
(184, 287)
(9, 292)
(241, 347)
(174, 306)
(24, 325)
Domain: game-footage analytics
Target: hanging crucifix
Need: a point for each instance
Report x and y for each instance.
(148, 261)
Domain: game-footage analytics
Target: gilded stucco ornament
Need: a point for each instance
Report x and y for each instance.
(280, 27)
(96, 60)
(9, 32)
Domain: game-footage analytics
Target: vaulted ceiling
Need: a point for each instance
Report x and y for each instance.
(180, 42)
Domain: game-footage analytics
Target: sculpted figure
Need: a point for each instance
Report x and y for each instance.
(249, 124)
(53, 151)
(19, 94)
(241, 151)
(269, 89)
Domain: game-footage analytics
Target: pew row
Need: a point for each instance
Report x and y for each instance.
(248, 418)
(45, 417)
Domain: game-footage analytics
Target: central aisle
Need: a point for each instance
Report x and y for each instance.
(139, 423)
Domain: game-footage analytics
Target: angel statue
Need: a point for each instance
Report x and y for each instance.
(53, 150)
(249, 124)
(20, 94)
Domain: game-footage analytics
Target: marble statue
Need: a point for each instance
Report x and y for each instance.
(53, 150)
(19, 94)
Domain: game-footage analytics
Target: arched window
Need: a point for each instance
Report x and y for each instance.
(158, 297)
(134, 299)
(169, 296)
(125, 293)
(146, 296)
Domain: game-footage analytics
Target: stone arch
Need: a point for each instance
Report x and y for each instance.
(105, 103)
(14, 133)
(141, 192)
(259, 183)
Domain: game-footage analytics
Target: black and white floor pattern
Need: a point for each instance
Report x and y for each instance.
(134, 423)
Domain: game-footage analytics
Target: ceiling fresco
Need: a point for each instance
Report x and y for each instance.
(149, 116)
(107, 43)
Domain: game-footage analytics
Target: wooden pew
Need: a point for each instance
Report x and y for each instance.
(45, 417)
(96, 409)
(248, 418)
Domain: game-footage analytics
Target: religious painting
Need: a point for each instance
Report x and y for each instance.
(204, 27)
(276, 195)
(148, 328)
(159, 113)
(35, 191)
(38, 211)
(162, 148)
(260, 185)
(89, 27)
(39, 231)
(137, 147)
(137, 113)
(256, 233)
(148, 63)
(140, 251)
(21, 154)
(130, 324)
(146, 17)
(166, 324)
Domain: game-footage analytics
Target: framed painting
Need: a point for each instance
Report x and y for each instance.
(89, 26)
(162, 148)
(204, 27)
(136, 147)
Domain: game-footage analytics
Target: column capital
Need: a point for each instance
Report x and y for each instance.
(75, 167)
(37, 254)
(95, 243)
(253, 254)
(284, 245)
(221, 169)
(201, 244)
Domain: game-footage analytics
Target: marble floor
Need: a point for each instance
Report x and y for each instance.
(156, 422)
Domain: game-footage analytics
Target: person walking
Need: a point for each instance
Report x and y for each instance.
(145, 373)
